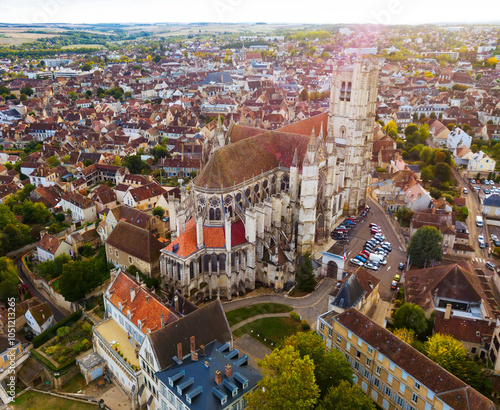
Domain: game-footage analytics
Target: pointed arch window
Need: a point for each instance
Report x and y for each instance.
(348, 95)
(342, 91)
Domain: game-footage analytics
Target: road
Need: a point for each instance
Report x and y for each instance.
(361, 233)
(58, 314)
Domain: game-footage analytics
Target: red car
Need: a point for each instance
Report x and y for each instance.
(365, 253)
(374, 231)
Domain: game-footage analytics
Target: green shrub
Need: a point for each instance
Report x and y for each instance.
(51, 332)
(51, 350)
(62, 359)
(295, 316)
(63, 331)
(87, 328)
(305, 325)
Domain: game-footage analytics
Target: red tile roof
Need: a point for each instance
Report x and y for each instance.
(145, 306)
(48, 243)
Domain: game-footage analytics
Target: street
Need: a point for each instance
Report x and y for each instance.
(361, 233)
(58, 314)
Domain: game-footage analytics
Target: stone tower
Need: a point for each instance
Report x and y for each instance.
(353, 97)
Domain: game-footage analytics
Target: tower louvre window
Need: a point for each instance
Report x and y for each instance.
(348, 95)
(342, 91)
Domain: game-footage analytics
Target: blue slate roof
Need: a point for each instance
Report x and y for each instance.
(218, 78)
(193, 381)
(349, 294)
(492, 200)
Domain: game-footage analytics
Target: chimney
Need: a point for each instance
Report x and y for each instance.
(447, 313)
(194, 355)
(228, 370)
(207, 363)
(147, 297)
(202, 350)
(162, 319)
(218, 377)
(192, 344)
(179, 351)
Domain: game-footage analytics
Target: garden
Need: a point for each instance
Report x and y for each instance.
(238, 315)
(69, 342)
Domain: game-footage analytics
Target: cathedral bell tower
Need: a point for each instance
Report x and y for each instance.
(353, 96)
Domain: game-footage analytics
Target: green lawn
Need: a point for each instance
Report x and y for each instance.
(75, 384)
(238, 315)
(38, 401)
(270, 331)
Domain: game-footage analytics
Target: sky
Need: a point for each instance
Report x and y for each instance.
(237, 11)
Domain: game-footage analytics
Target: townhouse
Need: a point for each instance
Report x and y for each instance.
(391, 372)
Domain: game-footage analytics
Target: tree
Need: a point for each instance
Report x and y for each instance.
(34, 212)
(411, 317)
(118, 161)
(87, 67)
(288, 382)
(135, 164)
(443, 172)
(159, 211)
(9, 279)
(411, 129)
(6, 216)
(305, 276)
(27, 91)
(53, 161)
(77, 279)
(330, 367)
(404, 216)
(159, 151)
(450, 354)
(427, 173)
(346, 396)
(304, 95)
(425, 246)
(464, 211)
(406, 335)
(87, 162)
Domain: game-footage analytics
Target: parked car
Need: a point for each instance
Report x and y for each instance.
(361, 258)
(380, 237)
(374, 231)
(401, 266)
(466, 191)
(365, 253)
(486, 191)
(492, 182)
(386, 247)
(395, 281)
(363, 214)
(373, 225)
(486, 182)
(490, 266)
(477, 188)
(371, 265)
(356, 262)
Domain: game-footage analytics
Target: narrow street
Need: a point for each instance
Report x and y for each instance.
(58, 313)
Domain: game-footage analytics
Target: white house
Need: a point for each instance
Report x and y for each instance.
(480, 162)
(458, 138)
(82, 208)
(49, 247)
(417, 198)
(39, 318)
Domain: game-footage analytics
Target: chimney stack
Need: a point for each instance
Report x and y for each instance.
(162, 318)
(447, 313)
(228, 370)
(132, 294)
(179, 351)
(202, 350)
(176, 303)
(218, 377)
(192, 344)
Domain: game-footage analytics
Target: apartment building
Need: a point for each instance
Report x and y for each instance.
(390, 371)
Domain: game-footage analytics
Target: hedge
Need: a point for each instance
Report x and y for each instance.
(61, 369)
(52, 331)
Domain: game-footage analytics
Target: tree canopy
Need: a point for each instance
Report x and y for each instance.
(425, 246)
(450, 354)
(330, 367)
(135, 164)
(9, 279)
(305, 275)
(346, 396)
(288, 382)
(411, 317)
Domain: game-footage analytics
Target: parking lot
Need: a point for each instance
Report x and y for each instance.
(360, 233)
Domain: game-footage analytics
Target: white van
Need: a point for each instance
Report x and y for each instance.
(376, 258)
(479, 220)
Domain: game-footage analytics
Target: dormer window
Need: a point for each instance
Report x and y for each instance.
(120, 305)
(128, 314)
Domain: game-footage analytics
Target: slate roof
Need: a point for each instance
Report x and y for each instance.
(447, 387)
(132, 216)
(135, 241)
(41, 313)
(492, 200)
(206, 324)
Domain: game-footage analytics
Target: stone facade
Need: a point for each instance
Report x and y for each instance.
(279, 192)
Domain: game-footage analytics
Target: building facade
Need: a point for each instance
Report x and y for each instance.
(279, 192)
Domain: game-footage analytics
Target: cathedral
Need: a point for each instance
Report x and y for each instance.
(264, 198)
